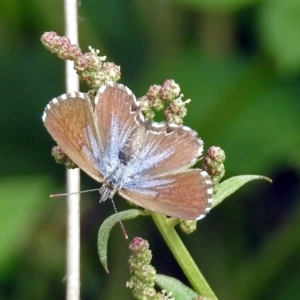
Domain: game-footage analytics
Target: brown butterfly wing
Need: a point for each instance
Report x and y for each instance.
(70, 122)
(186, 195)
(169, 149)
(117, 116)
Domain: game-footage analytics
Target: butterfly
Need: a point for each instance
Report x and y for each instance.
(147, 163)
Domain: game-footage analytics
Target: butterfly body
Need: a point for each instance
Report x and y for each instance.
(146, 163)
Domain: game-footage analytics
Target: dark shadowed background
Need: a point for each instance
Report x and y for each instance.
(239, 62)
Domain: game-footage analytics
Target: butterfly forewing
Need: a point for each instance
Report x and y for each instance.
(69, 120)
(117, 115)
(186, 195)
(167, 149)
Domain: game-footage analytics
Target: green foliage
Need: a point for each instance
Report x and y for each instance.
(280, 25)
(107, 226)
(245, 100)
(232, 184)
(23, 198)
(218, 5)
(179, 290)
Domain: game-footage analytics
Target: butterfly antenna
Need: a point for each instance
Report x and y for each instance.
(119, 219)
(67, 194)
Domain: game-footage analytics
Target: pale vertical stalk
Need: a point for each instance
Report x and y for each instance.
(73, 176)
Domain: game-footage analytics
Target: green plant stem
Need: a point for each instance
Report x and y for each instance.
(183, 257)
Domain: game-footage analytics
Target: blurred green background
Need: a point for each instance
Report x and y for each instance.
(239, 62)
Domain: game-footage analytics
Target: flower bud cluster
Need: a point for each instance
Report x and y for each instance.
(90, 67)
(168, 95)
(213, 164)
(142, 278)
(61, 158)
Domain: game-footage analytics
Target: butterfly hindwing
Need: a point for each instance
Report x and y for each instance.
(186, 195)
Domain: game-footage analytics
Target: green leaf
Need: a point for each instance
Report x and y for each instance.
(107, 226)
(232, 184)
(178, 289)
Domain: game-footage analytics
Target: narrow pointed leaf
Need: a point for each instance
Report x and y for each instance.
(178, 289)
(232, 184)
(106, 227)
